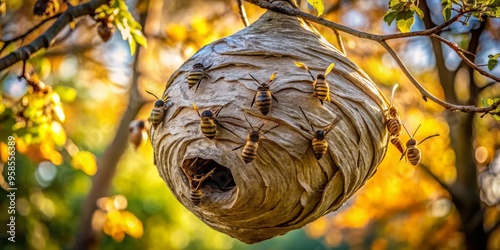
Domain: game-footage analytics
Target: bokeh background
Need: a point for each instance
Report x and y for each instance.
(65, 133)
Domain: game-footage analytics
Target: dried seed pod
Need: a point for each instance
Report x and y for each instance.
(105, 31)
(285, 187)
(137, 132)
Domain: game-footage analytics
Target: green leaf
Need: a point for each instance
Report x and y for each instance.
(398, 6)
(318, 5)
(417, 10)
(390, 16)
(493, 61)
(139, 38)
(447, 5)
(487, 102)
(67, 94)
(404, 21)
(133, 46)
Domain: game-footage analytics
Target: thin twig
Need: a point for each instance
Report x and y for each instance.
(44, 40)
(243, 13)
(460, 53)
(339, 41)
(332, 25)
(382, 40)
(426, 94)
(22, 36)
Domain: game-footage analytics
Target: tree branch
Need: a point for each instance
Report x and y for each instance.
(382, 40)
(426, 94)
(22, 36)
(357, 33)
(243, 13)
(460, 53)
(44, 40)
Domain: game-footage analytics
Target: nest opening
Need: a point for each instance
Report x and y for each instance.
(212, 174)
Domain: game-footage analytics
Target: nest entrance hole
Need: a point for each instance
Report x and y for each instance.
(220, 179)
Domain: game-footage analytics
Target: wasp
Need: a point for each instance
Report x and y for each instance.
(195, 181)
(196, 74)
(263, 97)
(320, 85)
(159, 109)
(209, 124)
(319, 143)
(397, 143)
(393, 121)
(251, 144)
(412, 153)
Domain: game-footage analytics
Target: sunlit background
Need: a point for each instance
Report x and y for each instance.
(64, 132)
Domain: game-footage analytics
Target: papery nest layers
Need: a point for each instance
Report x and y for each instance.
(284, 187)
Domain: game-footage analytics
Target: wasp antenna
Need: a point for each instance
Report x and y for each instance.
(416, 130)
(301, 65)
(261, 126)
(152, 95)
(332, 125)
(277, 125)
(404, 126)
(307, 119)
(196, 109)
(272, 79)
(392, 93)
(248, 122)
(255, 80)
(330, 67)
(428, 137)
(273, 76)
(217, 112)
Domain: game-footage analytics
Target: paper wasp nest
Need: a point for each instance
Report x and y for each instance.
(284, 187)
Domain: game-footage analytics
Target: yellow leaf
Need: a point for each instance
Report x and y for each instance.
(330, 67)
(85, 161)
(58, 133)
(318, 5)
(131, 224)
(301, 65)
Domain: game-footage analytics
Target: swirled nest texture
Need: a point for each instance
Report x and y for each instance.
(284, 187)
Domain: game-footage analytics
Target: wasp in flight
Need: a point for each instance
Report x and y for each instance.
(393, 124)
(319, 143)
(251, 144)
(320, 85)
(413, 153)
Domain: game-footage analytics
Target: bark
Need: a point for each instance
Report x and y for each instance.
(86, 237)
(284, 187)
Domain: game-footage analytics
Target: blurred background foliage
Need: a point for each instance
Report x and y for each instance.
(62, 129)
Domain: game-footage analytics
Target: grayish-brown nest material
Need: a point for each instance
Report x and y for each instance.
(284, 187)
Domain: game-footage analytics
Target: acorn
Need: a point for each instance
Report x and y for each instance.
(105, 31)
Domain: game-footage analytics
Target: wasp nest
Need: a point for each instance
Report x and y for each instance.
(251, 193)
